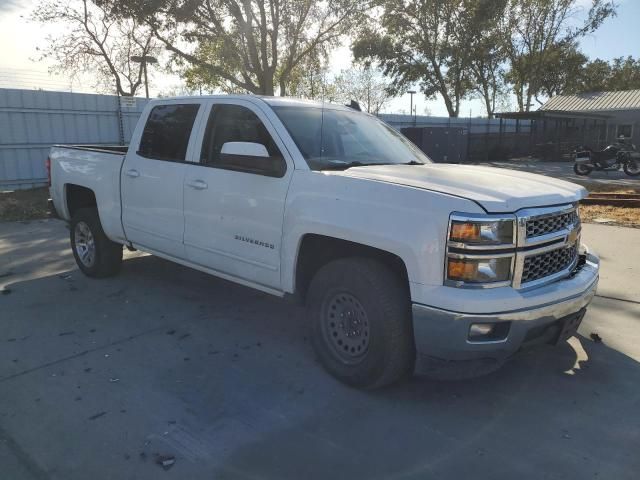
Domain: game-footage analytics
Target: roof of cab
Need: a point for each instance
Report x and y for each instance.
(272, 101)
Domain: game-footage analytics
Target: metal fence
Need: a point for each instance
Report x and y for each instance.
(471, 125)
(33, 120)
(459, 140)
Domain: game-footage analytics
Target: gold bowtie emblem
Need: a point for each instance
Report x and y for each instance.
(573, 236)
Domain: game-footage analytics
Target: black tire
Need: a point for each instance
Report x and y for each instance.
(106, 258)
(379, 308)
(582, 169)
(632, 167)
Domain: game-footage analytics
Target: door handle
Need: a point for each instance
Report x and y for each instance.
(198, 184)
(132, 173)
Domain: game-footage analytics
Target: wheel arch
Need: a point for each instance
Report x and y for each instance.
(316, 250)
(77, 197)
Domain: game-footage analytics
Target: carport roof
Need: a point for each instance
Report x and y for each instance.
(551, 114)
(595, 101)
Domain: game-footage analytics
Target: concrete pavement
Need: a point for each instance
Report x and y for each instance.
(97, 377)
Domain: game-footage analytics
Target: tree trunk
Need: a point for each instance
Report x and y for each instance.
(266, 85)
(448, 103)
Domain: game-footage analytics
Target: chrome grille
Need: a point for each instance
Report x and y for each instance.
(550, 223)
(548, 263)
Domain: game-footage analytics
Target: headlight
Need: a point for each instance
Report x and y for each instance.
(479, 270)
(480, 250)
(481, 232)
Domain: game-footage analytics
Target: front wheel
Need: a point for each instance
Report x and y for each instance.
(582, 169)
(361, 322)
(632, 168)
(95, 254)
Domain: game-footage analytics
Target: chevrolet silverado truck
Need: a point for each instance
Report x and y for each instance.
(403, 263)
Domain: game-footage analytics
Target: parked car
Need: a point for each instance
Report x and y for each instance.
(403, 264)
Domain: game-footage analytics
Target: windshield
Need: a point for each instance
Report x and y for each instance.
(338, 139)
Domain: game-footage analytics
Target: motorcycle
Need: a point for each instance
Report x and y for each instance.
(619, 155)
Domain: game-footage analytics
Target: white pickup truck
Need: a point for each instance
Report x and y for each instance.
(404, 264)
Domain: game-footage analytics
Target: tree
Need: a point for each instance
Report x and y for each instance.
(593, 78)
(537, 35)
(487, 54)
(600, 76)
(432, 43)
(252, 45)
(312, 79)
(365, 85)
(96, 43)
(562, 71)
(625, 74)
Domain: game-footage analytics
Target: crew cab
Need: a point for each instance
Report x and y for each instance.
(404, 265)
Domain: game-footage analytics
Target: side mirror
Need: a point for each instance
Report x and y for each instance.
(245, 149)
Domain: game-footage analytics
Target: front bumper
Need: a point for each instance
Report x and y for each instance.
(444, 334)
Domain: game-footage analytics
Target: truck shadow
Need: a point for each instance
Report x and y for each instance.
(259, 406)
(566, 412)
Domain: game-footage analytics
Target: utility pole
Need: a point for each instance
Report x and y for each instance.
(412, 93)
(144, 60)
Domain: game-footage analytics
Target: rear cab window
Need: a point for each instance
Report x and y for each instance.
(167, 131)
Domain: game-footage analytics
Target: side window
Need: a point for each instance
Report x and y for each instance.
(234, 123)
(167, 131)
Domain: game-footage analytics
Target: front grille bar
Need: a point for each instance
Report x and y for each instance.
(557, 236)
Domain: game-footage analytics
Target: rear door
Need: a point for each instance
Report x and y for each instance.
(234, 210)
(153, 178)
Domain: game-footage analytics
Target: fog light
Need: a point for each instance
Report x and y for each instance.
(481, 329)
(484, 332)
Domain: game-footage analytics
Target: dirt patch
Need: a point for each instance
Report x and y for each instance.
(626, 217)
(609, 188)
(623, 216)
(24, 205)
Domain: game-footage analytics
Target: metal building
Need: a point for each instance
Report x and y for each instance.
(622, 109)
(33, 120)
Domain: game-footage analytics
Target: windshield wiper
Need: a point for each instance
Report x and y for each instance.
(344, 166)
(355, 163)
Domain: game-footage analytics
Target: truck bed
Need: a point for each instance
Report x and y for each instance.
(96, 168)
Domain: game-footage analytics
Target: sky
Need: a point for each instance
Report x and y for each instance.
(20, 68)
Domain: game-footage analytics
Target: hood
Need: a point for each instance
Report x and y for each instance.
(498, 190)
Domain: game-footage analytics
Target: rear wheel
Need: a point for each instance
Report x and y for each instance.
(632, 167)
(95, 254)
(361, 321)
(582, 169)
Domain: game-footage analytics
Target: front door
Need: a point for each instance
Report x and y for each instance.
(234, 210)
(153, 179)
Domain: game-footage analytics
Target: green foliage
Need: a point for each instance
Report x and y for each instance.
(599, 76)
(245, 45)
(540, 38)
(447, 47)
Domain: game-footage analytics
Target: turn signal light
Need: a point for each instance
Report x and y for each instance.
(461, 270)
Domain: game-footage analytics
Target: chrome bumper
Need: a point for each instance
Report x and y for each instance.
(444, 335)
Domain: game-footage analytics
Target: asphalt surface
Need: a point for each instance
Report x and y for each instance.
(564, 171)
(100, 377)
